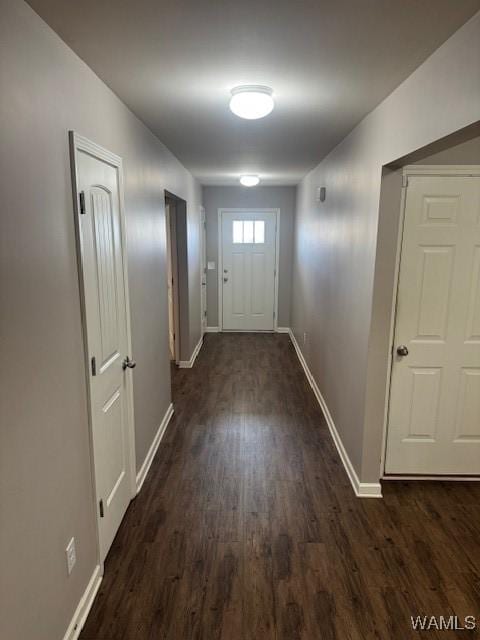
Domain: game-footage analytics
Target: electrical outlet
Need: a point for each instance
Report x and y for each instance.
(304, 338)
(71, 555)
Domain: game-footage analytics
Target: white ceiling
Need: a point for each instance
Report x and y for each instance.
(329, 63)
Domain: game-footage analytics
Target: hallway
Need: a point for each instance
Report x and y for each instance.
(247, 526)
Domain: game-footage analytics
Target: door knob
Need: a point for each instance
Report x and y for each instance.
(402, 350)
(131, 364)
(225, 279)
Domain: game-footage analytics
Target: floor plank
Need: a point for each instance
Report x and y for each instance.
(247, 527)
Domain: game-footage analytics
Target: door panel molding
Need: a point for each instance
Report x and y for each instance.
(247, 211)
(79, 144)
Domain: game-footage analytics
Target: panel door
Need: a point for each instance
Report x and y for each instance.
(106, 328)
(248, 271)
(203, 278)
(434, 414)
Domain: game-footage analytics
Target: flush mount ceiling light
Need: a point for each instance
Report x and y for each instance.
(249, 181)
(251, 101)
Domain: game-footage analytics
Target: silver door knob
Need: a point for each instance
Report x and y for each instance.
(402, 350)
(131, 364)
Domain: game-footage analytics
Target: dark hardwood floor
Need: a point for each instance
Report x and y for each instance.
(247, 527)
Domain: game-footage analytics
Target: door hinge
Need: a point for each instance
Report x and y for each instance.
(82, 202)
(100, 504)
(404, 181)
(94, 366)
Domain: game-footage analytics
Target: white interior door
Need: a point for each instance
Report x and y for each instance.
(248, 270)
(203, 272)
(102, 249)
(434, 417)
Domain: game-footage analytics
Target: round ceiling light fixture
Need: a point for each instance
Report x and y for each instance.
(252, 101)
(249, 181)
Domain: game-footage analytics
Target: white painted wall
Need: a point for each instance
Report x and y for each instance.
(335, 246)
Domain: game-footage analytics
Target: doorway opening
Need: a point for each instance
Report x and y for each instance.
(101, 251)
(434, 409)
(424, 346)
(177, 275)
(248, 266)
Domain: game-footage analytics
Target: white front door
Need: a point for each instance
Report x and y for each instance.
(248, 270)
(434, 416)
(102, 250)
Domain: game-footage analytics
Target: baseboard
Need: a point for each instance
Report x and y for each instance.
(147, 463)
(362, 489)
(84, 606)
(212, 329)
(282, 330)
(188, 364)
(433, 478)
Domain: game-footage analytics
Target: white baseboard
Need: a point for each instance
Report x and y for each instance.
(212, 329)
(84, 606)
(433, 478)
(188, 364)
(147, 463)
(362, 489)
(282, 330)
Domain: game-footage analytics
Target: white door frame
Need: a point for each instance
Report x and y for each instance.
(79, 143)
(413, 170)
(223, 210)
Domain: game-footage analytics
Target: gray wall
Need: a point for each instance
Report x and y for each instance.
(282, 198)
(45, 482)
(335, 241)
(467, 152)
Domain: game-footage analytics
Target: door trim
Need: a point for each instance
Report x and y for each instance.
(80, 143)
(223, 210)
(412, 170)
